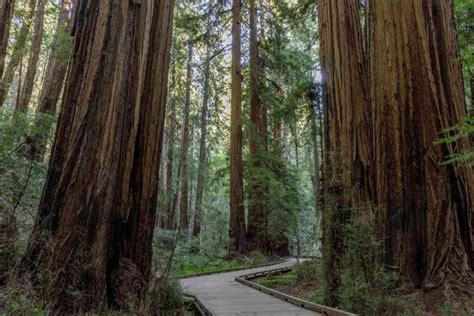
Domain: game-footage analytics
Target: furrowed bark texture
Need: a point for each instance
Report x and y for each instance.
(99, 201)
(237, 230)
(27, 90)
(184, 205)
(6, 14)
(256, 230)
(348, 133)
(18, 51)
(425, 207)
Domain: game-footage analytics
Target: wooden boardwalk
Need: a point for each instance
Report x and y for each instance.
(222, 295)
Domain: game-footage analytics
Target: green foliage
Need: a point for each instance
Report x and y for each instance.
(190, 264)
(308, 272)
(274, 281)
(463, 131)
(367, 287)
(21, 182)
(465, 33)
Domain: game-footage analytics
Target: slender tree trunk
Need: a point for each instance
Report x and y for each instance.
(471, 82)
(6, 14)
(316, 162)
(27, 91)
(237, 230)
(202, 148)
(168, 221)
(184, 207)
(98, 212)
(348, 133)
(18, 51)
(425, 207)
(20, 82)
(53, 81)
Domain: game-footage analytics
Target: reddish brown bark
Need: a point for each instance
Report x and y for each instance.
(184, 203)
(100, 212)
(348, 127)
(417, 92)
(237, 230)
(256, 230)
(6, 14)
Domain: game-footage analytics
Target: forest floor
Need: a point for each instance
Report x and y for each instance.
(364, 301)
(287, 283)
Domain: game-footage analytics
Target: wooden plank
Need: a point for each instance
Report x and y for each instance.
(222, 295)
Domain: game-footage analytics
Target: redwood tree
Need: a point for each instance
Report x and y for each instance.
(35, 50)
(425, 206)
(257, 230)
(237, 230)
(18, 50)
(184, 214)
(6, 14)
(55, 74)
(347, 126)
(99, 201)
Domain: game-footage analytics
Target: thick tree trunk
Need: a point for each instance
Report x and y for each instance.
(202, 148)
(27, 90)
(184, 181)
(256, 230)
(18, 51)
(6, 14)
(425, 208)
(348, 133)
(54, 79)
(237, 230)
(98, 212)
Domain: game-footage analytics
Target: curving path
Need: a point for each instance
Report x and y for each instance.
(222, 295)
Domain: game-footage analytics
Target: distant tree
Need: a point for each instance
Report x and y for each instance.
(27, 90)
(18, 50)
(184, 180)
(54, 76)
(6, 14)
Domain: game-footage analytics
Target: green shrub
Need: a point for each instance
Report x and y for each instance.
(308, 272)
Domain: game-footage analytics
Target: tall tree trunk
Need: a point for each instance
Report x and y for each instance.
(6, 14)
(18, 51)
(184, 205)
(27, 90)
(168, 216)
(237, 230)
(425, 208)
(348, 138)
(471, 82)
(100, 212)
(256, 230)
(202, 148)
(55, 73)
(316, 162)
